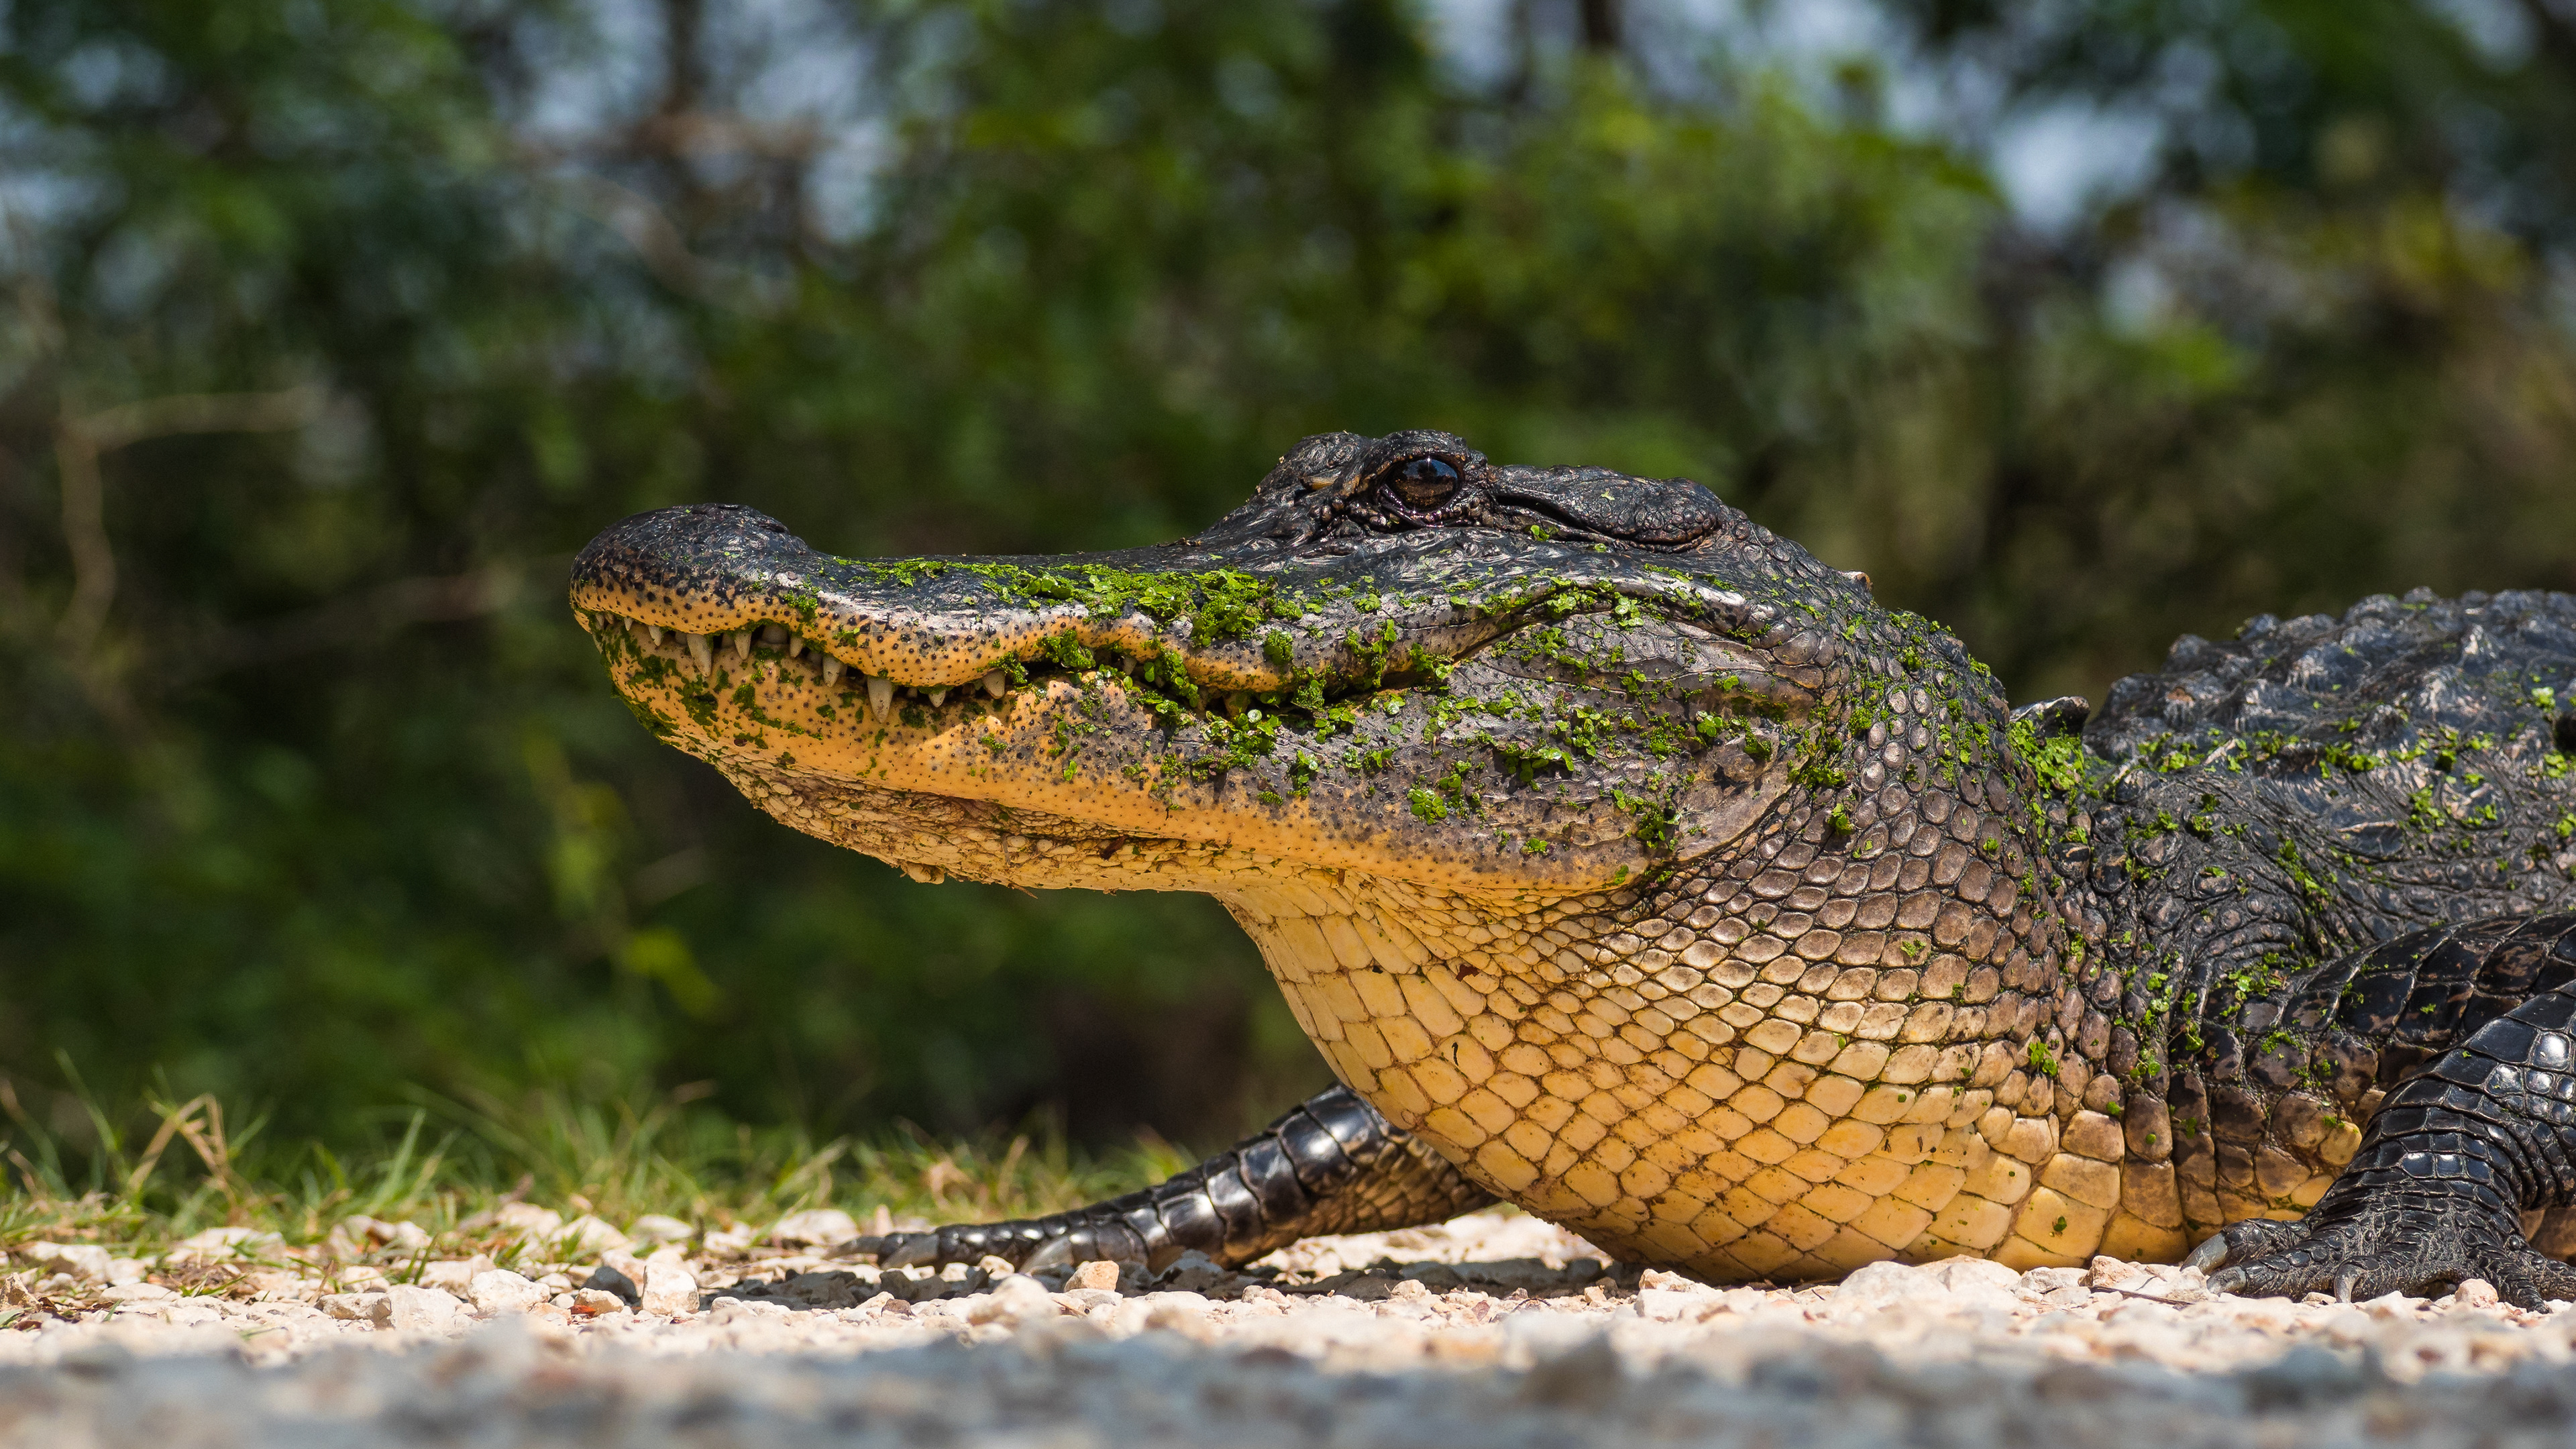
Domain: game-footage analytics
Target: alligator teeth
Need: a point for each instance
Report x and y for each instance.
(741, 642)
(795, 645)
(703, 652)
(994, 684)
(938, 697)
(832, 671)
(880, 695)
(773, 635)
(657, 634)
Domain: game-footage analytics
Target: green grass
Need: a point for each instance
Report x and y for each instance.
(137, 1181)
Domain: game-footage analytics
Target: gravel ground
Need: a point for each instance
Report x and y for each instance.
(1495, 1330)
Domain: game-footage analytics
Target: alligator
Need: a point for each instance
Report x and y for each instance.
(1631, 865)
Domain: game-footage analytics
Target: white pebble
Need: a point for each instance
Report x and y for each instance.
(498, 1290)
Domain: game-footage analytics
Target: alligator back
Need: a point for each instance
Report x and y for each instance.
(2410, 763)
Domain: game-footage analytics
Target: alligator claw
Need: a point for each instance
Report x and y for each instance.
(2209, 1255)
(2362, 1247)
(1055, 1252)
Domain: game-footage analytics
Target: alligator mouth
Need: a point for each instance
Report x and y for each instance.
(1315, 711)
(1162, 675)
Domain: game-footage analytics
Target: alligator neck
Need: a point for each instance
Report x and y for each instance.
(1875, 974)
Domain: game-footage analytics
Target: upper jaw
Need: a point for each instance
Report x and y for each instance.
(1225, 617)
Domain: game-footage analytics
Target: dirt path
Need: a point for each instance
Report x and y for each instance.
(1493, 1331)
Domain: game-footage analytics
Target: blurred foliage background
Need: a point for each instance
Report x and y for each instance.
(333, 327)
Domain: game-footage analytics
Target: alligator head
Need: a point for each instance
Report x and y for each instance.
(1397, 659)
(1562, 804)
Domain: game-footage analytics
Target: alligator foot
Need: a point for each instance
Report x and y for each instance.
(1330, 1165)
(2395, 1242)
(2484, 1134)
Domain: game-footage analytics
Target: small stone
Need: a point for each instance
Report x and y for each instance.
(2040, 1282)
(994, 1269)
(357, 1307)
(498, 1290)
(1876, 1285)
(529, 1221)
(2110, 1272)
(1970, 1275)
(403, 1237)
(408, 1306)
(1182, 1313)
(1194, 1272)
(736, 1310)
(137, 1293)
(2474, 1293)
(594, 1301)
(658, 1228)
(669, 1289)
(84, 1261)
(839, 1288)
(1098, 1275)
(454, 1275)
(1013, 1299)
(1688, 1303)
(269, 1285)
(1949, 1284)
(607, 1279)
(814, 1227)
(904, 1284)
(587, 1234)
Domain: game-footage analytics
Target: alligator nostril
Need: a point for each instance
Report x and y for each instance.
(2567, 734)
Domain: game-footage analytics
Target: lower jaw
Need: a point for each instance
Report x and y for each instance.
(932, 837)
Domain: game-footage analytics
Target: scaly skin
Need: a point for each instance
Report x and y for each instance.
(1629, 864)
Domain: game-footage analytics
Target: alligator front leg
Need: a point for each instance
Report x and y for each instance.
(1330, 1165)
(2448, 1166)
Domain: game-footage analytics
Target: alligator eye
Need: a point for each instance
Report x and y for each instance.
(1424, 484)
